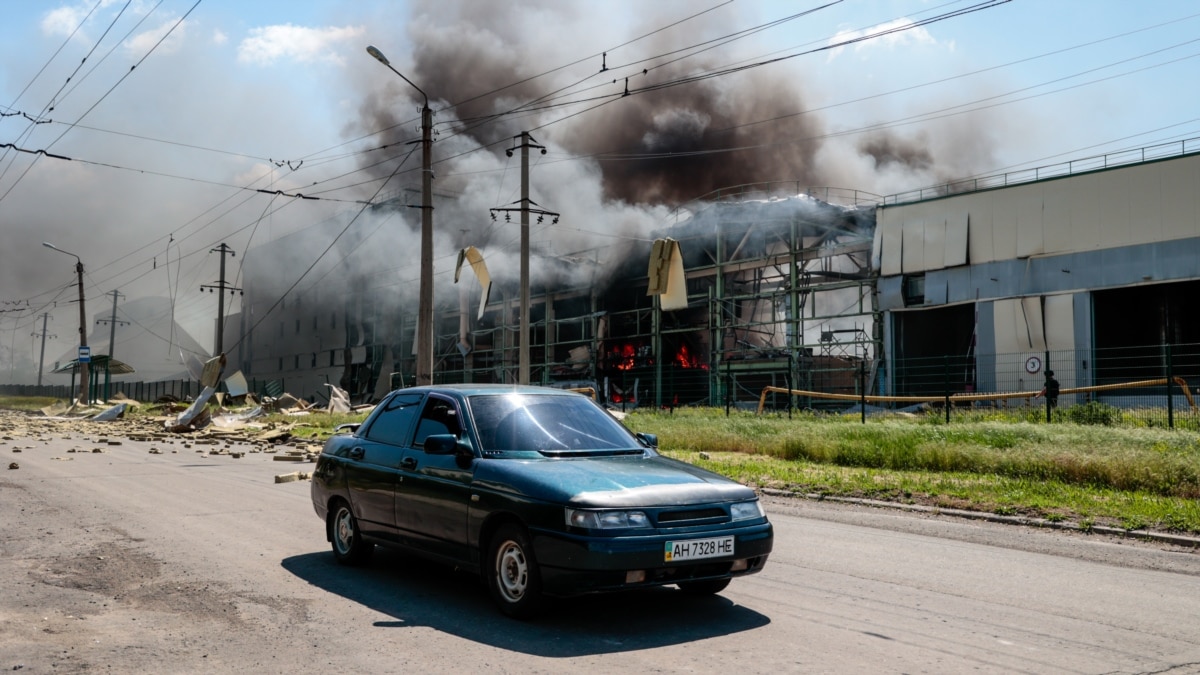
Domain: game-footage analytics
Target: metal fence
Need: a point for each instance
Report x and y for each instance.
(139, 391)
(1152, 385)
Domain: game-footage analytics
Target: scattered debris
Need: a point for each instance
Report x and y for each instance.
(14, 465)
(293, 476)
(113, 413)
(339, 400)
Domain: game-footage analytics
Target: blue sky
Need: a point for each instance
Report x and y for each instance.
(282, 95)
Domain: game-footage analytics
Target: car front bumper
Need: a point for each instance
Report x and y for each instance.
(575, 564)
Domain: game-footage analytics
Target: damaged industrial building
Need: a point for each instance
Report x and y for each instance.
(1085, 268)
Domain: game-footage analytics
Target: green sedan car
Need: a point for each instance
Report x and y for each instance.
(541, 491)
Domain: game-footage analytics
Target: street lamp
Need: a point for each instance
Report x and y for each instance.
(83, 365)
(425, 300)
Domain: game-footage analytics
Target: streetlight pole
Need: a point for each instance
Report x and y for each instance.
(84, 399)
(425, 299)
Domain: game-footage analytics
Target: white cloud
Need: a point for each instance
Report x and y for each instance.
(272, 43)
(143, 42)
(219, 37)
(63, 20)
(899, 38)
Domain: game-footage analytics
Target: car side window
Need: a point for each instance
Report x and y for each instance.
(394, 423)
(439, 417)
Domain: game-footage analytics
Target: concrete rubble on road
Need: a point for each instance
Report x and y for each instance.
(222, 432)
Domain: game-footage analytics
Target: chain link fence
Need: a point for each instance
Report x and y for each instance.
(1137, 386)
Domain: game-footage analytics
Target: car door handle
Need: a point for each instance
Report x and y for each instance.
(356, 453)
(408, 463)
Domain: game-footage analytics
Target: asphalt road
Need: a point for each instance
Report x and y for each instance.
(126, 561)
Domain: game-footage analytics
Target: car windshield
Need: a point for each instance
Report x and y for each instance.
(549, 424)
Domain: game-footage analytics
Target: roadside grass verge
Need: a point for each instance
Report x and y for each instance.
(27, 403)
(1129, 477)
(1100, 466)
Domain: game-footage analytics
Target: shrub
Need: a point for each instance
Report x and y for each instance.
(1094, 412)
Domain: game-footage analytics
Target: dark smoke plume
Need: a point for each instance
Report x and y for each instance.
(890, 150)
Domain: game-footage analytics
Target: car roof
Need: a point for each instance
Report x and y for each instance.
(469, 389)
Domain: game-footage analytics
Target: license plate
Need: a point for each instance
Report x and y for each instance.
(697, 549)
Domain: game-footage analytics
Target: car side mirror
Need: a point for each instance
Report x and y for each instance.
(449, 444)
(650, 440)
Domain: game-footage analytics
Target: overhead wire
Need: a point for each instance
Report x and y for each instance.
(50, 105)
(443, 160)
(104, 96)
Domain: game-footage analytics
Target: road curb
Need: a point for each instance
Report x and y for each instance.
(1162, 537)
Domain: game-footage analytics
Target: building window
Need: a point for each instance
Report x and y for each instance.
(314, 322)
(297, 326)
(332, 357)
(314, 359)
(296, 360)
(914, 290)
(280, 369)
(333, 320)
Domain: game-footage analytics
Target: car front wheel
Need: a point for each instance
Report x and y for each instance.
(512, 573)
(349, 548)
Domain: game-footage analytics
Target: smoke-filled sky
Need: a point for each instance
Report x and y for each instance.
(161, 121)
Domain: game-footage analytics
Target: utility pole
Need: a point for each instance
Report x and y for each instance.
(425, 298)
(220, 287)
(42, 358)
(85, 355)
(425, 301)
(85, 388)
(112, 337)
(527, 142)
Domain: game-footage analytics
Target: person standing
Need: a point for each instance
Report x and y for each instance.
(1050, 390)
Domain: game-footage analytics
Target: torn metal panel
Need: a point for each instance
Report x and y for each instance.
(667, 278)
(114, 413)
(192, 418)
(475, 258)
(236, 384)
(339, 400)
(210, 376)
(660, 258)
(1031, 310)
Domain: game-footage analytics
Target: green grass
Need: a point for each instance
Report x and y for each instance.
(1098, 466)
(27, 403)
(1132, 477)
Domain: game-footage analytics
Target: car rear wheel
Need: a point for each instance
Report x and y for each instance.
(512, 573)
(705, 587)
(349, 548)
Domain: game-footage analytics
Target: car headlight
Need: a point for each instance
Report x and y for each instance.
(606, 520)
(745, 510)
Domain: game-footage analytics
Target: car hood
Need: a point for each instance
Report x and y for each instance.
(643, 481)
